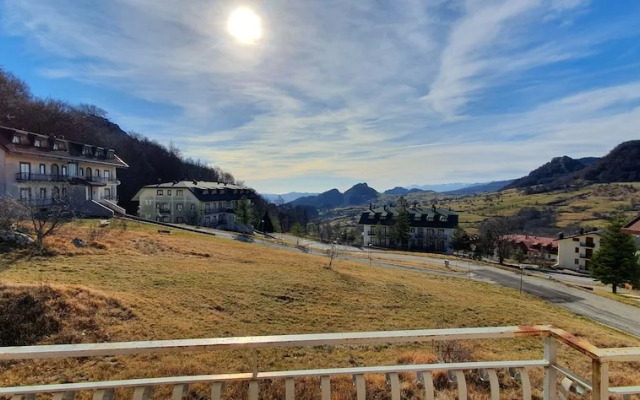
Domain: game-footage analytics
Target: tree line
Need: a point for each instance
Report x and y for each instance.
(149, 161)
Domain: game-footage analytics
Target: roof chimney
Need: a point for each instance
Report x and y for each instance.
(561, 235)
(371, 206)
(195, 182)
(582, 231)
(434, 207)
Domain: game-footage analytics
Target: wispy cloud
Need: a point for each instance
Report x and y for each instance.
(393, 93)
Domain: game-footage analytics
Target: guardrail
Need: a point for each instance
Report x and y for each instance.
(552, 337)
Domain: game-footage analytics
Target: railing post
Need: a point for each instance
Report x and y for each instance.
(599, 380)
(550, 374)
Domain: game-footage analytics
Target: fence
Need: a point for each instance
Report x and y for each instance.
(597, 383)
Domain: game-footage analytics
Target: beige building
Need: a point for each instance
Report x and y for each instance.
(575, 252)
(40, 170)
(208, 204)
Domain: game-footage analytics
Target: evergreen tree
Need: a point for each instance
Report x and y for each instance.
(401, 227)
(461, 240)
(297, 231)
(267, 224)
(244, 211)
(615, 262)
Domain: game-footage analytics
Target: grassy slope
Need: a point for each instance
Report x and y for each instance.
(583, 207)
(576, 207)
(188, 285)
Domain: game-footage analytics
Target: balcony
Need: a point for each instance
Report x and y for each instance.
(598, 383)
(31, 177)
(100, 179)
(588, 244)
(163, 210)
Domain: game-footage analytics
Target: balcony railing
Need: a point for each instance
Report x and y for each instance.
(588, 244)
(31, 177)
(598, 382)
(163, 210)
(100, 179)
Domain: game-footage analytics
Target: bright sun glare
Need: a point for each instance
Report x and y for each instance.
(245, 25)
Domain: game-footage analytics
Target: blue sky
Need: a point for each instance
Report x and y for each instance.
(393, 93)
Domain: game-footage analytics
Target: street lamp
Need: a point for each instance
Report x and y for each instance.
(369, 247)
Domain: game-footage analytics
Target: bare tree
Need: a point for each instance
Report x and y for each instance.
(45, 214)
(11, 212)
(333, 252)
(494, 236)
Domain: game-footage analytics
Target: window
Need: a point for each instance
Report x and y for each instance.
(179, 207)
(107, 193)
(65, 171)
(159, 193)
(110, 154)
(107, 174)
(86, 151)
(576, 261)
(56, 146)
(80, 171)
(15, 139)
(37, 142)
(43, 193)
(25, 170)
(179, 192)
(193, 207)
(179, 220)
(43, 169)
(73, 169)
(96, 173)
(577, 250)
(25, 193)
(168, 192)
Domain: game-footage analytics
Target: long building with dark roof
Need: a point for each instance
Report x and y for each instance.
(208, 204)
(431, 228)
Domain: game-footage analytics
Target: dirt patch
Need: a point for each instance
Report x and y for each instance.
(30, 315)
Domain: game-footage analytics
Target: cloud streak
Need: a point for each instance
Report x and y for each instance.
(392, 93)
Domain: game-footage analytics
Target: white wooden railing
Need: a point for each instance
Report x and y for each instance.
(552, 337)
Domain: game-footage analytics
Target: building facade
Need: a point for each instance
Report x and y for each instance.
(40, 170)
(209, 204)
(431, 228)
(575, 252)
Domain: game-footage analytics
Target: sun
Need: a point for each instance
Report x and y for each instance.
(245, 25)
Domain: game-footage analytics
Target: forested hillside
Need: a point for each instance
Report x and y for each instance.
(149, 161)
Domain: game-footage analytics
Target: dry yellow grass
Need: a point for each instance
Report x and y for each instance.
(187, 285)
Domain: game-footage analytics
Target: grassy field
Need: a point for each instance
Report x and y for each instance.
(136, 284)
(586, 207)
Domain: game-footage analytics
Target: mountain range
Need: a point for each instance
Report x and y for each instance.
(622, 164)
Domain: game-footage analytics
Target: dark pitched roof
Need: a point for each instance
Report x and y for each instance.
(207, 191)
(56, 147)
(427, 217)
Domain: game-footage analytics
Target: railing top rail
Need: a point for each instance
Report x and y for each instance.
(582, 345)
(304, 340)
(174, 380)
(619, 354)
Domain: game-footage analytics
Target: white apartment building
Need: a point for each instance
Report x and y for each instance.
(41, 169)
(575, 252)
